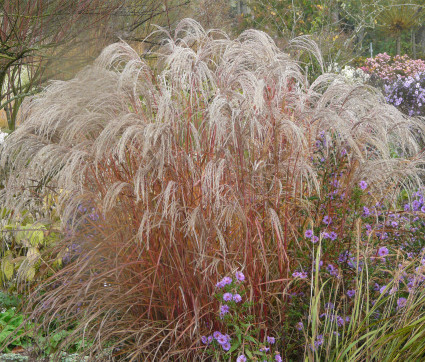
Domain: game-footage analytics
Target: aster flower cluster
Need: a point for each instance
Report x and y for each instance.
(330, 209)
(241, 338)
(402, 80)
(264, 349)
(407, 94)
(222, 339)
(385, 232)
(328, 248)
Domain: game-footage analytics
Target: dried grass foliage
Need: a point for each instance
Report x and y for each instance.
(196, 167)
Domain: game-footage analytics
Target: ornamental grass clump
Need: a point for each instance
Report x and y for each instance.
(213, 159)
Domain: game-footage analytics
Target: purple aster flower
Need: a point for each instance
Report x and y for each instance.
(332, 270)
(278, 358)
(308, 233)
(224, 309)
(401, 302)
(210, 339)
(377, 287)
(264, 349)
(335, 183)
(225, 281)
(366, 211)
(314, 239)
(299, 326)
(415, 205)
(329, 305)
(223, 339)
(382, 289)
(327, 220)
(351, 293)
(383, 251)
(363, 185)
(333, 235)
(239, 276)
(227, 297)
(319, 340)
(301, 275)
(271, 340)
(226, 346)
(325, 235)
(241, 358)
(216, 334)
(204, 340)
(384, 236)
(237, 298)
(340, 321)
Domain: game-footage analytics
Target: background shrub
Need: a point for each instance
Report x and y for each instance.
(408, 94)
(388, 68)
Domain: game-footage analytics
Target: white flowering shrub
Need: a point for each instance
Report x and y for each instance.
(350, 74)
(2, 136)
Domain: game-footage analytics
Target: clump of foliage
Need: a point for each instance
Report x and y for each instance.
(358, 282)
(387, 68)
(26, 247)
(407, 94)
(217, 158)
(350, 74)
(244, 340)
(401, 80)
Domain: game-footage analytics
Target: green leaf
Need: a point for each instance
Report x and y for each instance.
(246, 325)
(33, 254)
(234, 347)
(249, 338)
(36, 237)
(31, 234)
(249, 354)
(57, 263)
(7, 268)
